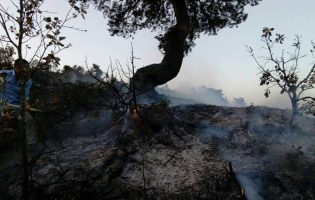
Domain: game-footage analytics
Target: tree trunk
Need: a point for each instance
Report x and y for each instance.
(147, 78)
(295, 108)
(22, 130)
(24, 142)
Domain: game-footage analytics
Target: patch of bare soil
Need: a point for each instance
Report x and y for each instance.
(183, 159)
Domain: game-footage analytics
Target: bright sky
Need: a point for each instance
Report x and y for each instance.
(219, 62)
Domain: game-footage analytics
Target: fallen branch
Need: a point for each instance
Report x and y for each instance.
(172, 156)
(31, 109)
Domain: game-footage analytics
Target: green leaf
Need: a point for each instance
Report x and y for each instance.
(48, 27)
(50, 36)
(47, 19)
(29, 20)
(59, 43)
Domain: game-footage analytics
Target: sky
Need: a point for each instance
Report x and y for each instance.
(219, 62)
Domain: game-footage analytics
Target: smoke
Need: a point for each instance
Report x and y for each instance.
(256, 142)
(90, 123)
(199, 95)
(253, 187)
(72, 77)
(230, 143)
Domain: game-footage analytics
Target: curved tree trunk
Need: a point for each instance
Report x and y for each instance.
(147, 78)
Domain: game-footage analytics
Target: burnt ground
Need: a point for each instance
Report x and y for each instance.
(184, 158)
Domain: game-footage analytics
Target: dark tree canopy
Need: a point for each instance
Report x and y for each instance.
(178, 23)
(239, 102)
(96, 71)
(206, 16)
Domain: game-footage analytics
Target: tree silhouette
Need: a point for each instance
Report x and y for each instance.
(284, 72)
(6, 56)
(239, 102)
(96, 71)
(179, 22)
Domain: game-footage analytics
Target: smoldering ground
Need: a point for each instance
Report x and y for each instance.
(185, 159)
(261, 146)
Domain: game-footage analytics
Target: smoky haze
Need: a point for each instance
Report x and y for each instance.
(202, 94)
(258, 140)
(219, 62)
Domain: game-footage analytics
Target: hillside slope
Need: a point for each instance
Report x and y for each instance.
(182, 159)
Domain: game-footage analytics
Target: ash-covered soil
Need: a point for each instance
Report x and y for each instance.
(182, 159)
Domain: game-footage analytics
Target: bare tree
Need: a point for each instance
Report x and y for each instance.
(284, 72)
(119, 90)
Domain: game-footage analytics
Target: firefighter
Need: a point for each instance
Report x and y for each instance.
(12, 94)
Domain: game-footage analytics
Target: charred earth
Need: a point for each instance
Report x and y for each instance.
(184, 156)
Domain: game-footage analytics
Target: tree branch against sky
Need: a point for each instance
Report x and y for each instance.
(284, 73)
(178, 22)
(206, 64)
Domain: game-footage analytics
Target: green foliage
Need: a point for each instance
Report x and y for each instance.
(66, 68)
(96, 71)
(75, 72)
(6, 57)
(126, 17)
